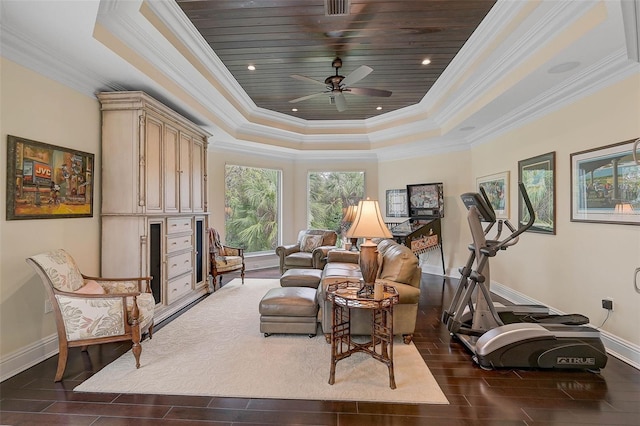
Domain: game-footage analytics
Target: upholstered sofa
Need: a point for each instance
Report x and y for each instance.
(309, 251)
(397, 266)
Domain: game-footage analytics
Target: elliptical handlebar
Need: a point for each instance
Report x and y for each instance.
(513, 238)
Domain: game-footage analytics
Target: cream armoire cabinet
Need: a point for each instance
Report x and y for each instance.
(154, 204)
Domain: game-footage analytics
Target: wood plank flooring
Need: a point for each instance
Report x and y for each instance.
(476, 396)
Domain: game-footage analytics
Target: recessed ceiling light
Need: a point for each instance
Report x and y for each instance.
(251, 68)
(564, 67)
(294, 109)
(378, 108)
(426, 61)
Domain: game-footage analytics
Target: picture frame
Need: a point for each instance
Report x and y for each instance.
(496, 187)
(47, 181)
(397, 203)
(538, 174)
(605, 185)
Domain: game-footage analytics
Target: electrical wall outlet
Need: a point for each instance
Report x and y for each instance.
(607, 304)
(48, 307)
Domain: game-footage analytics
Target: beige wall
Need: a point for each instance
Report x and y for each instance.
(570, 271)
(583, 263)
(453, 170)
(294, 184)
(37, 108)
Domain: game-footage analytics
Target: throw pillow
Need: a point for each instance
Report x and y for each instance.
(91, 287)
(310, 242)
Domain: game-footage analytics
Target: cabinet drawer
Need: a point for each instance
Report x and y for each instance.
(178, 287)
(178, 243)
(178, 224)
(179, 264)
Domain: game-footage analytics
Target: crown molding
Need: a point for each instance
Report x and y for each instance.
(52, 64)
(631, 20)
(556, 17)
(610, 70)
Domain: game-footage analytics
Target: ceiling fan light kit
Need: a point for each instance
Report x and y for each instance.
(336, 85)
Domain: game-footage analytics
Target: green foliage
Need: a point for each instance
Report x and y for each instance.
(329, 195)
(539, 184)
(251, 204)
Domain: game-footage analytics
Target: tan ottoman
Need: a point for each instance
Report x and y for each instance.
(301, 278)
(291, 310)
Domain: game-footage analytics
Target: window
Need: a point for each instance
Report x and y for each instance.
(330, 193)
(252, 207)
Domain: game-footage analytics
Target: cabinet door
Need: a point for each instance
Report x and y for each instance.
(152, 197)
(198, 171)
(186, 143)
(171, 169)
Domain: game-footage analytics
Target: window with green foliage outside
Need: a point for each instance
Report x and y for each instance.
(330, 193)
(251, 208)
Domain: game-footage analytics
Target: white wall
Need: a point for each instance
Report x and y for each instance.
(39, 109)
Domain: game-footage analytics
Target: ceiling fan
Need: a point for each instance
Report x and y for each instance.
(337, 85)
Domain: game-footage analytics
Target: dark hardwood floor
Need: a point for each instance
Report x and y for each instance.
(476, 396)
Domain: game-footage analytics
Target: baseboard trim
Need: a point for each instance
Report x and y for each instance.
(617, 347)
(22, 359)
(25, 358)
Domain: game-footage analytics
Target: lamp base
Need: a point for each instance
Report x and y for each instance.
(366, 292)
(368, 265)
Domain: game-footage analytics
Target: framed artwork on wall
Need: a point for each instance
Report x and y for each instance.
(397, 203)
(539, 178)
(47, 181)
(496, 187)
(605, 185)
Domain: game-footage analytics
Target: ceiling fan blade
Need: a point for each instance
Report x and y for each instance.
(304, 98)
(341, 102)
(307, 79)
(361, 72)
(368, 92)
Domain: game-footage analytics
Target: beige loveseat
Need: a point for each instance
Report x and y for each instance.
(309, 251)
(397, 266)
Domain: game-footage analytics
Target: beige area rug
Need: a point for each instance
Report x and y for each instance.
(216, 349)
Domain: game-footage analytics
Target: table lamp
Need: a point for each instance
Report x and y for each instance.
(623, 208)
(368, 224)
(347, 220)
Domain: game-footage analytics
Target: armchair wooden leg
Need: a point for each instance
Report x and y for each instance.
(62, 362)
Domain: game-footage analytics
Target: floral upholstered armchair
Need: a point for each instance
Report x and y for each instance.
(224, 259)
(93, 310)
(309, 252)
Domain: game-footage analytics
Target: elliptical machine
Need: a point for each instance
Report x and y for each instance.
(518, 336)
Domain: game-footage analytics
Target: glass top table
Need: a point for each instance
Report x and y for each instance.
(344, 297)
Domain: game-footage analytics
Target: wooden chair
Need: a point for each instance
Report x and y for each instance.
(93, 310)
(224, 259)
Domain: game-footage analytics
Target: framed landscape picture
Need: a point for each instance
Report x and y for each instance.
(496, 187)
(605, 185)
(539, 179)
(47, 181)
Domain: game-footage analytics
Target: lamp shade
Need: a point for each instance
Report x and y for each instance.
(368, 222)
(350, 214)
(623, 208)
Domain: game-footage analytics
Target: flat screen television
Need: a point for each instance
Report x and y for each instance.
(426, 200)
